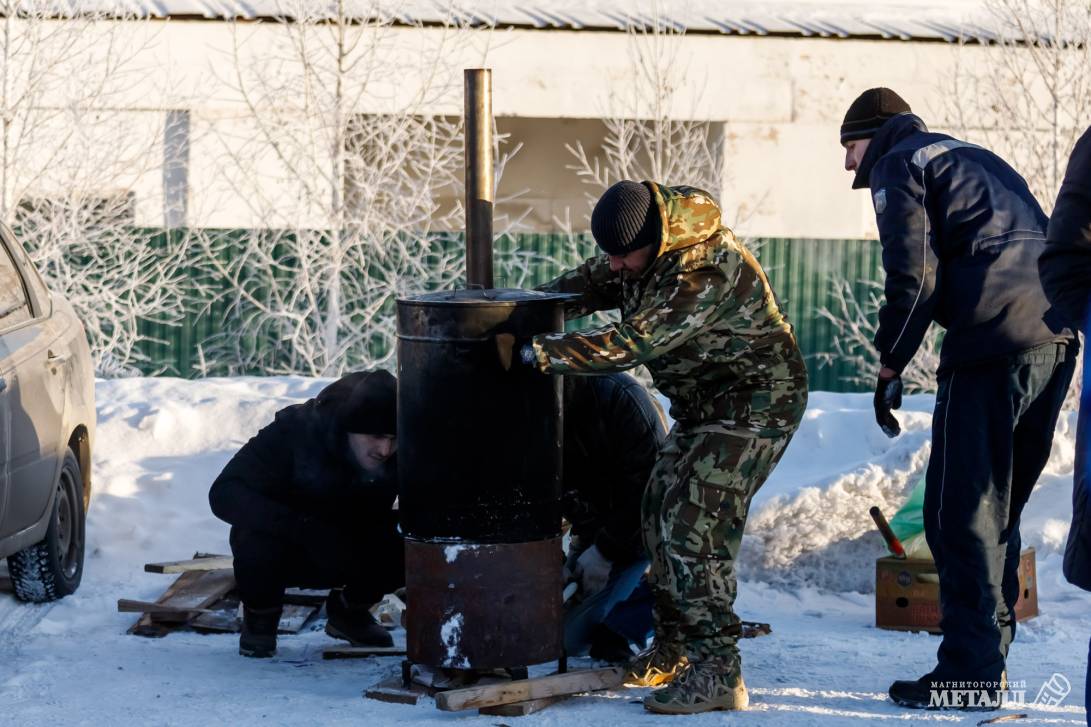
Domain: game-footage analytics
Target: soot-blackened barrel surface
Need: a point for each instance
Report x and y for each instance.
(479, 447)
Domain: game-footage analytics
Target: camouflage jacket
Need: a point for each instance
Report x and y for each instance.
(702, 318)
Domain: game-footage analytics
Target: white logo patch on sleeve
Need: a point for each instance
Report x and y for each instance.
(880, 201)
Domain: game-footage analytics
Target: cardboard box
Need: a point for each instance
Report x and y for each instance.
(907, 593)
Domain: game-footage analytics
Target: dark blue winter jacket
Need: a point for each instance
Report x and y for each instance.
(1077, 552)
(1066, 276)
(961, 236)
(1066, 263)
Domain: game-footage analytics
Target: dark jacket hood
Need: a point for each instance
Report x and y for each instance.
(889, 135)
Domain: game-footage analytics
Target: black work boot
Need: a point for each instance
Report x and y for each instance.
(929, 693)
(353, 622)
(259, 631)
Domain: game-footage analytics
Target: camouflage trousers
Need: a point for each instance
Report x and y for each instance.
(694, 512)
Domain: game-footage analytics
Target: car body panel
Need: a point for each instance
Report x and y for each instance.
(47, 406)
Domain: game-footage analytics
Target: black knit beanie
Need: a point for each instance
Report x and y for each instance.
(626, 218)
(365, 402)
(869, 111)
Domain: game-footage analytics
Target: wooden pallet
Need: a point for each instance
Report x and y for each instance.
(190, 593)
(225, 618)
(203, 598)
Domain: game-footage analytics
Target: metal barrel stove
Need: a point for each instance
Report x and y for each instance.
(479, 460)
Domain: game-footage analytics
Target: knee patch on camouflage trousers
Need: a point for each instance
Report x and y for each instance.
(695, 513)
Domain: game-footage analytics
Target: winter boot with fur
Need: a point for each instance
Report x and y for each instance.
(702, 686)
(259, 631)
(656, 665)
(354, 622)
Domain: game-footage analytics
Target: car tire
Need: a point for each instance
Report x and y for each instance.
(53, 567)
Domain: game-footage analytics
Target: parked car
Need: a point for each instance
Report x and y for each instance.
(47, 422)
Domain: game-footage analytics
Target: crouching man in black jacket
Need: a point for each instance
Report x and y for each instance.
(309, 499)
(961, 236)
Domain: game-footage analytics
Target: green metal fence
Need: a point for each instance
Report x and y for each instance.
(801, 271)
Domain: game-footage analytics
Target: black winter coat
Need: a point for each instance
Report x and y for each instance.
(961, 236)
(1066, 263)
(612, 434)
(297, 475)
(1066, 275)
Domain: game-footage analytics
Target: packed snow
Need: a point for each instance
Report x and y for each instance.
(807, 568)
(451, 635)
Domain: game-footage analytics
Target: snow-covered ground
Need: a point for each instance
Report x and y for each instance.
(807, 569)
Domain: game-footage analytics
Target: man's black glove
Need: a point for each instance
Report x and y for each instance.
(888, 395)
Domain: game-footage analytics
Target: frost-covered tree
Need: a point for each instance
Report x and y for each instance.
(854, 314)
(70, 163)
(646, 133)
(356, 179)
(1022, 88)
(646, 136)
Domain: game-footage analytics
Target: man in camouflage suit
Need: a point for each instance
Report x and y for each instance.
(698, 311)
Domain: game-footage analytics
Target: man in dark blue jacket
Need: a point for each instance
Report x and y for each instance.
(961, 236)
(1066, 276)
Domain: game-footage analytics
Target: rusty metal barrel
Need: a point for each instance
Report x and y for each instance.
(479, 464)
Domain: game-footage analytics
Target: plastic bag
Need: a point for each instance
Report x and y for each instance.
(908, 524)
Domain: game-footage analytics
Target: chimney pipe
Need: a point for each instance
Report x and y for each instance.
(480, 177)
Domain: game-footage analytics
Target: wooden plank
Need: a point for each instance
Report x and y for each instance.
(306, 596)
(360, 652)
(207, 588)
(217, 562)
(227, 620)
(294, 618)
(523, 690)
(219, 620)
(393, 690)
(128, 605)
(521, 709)
(145, 626)
(754, 629)
(191, 590)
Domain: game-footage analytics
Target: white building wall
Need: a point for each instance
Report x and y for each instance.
(781, 101)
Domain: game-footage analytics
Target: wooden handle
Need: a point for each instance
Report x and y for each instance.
(891, 539)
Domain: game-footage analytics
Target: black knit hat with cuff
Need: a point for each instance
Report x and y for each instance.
(626, 218)
(365, 402)
(869, 111)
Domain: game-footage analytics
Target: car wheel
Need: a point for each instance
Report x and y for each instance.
(53, 567)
